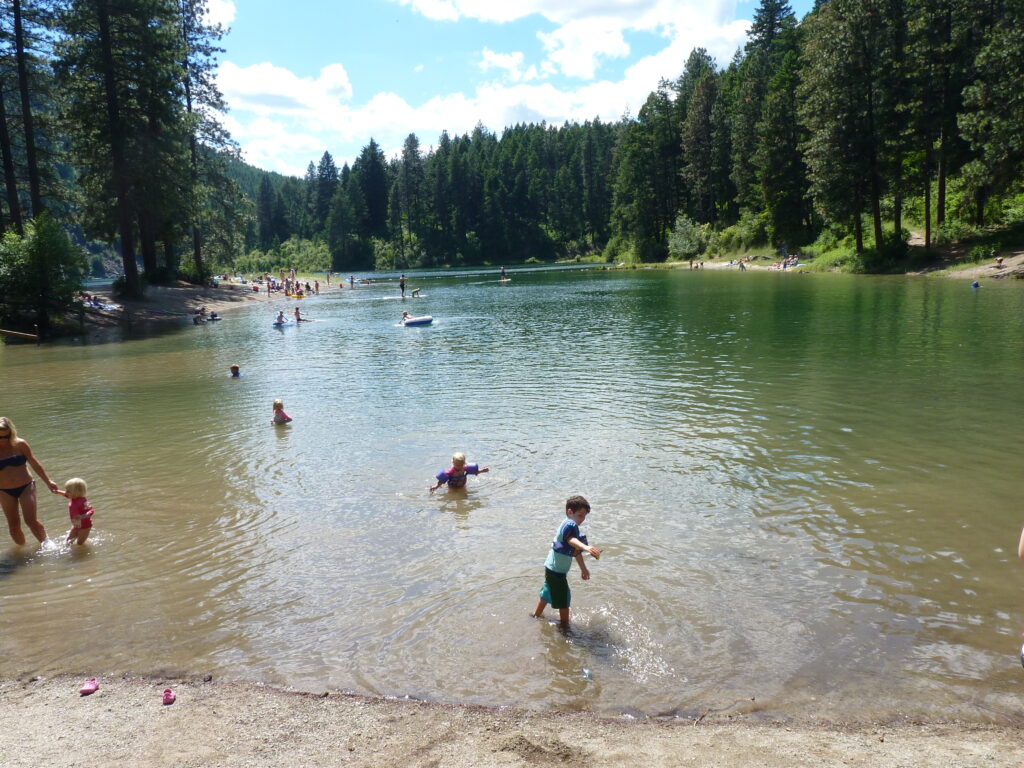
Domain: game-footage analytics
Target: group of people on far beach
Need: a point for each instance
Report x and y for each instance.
(18, 490)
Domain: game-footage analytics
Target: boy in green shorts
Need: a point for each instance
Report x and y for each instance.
(569, 544)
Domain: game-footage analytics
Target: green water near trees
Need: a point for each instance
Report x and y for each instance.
(806, 488)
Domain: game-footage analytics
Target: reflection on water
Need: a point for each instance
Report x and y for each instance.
(806, 489)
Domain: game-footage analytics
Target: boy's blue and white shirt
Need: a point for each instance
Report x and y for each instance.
(562, 552)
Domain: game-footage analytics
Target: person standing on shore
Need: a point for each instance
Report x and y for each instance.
(569, 545)
(16, 484)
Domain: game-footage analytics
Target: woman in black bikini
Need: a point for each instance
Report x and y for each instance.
(17, 485)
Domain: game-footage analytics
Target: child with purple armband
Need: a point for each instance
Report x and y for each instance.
(455, 476)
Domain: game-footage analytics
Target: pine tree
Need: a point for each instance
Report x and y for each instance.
(411, 181)
(325, 186)
(698, 150)
(120, 70)
(849, 110)
(265, 213)
(369, 172)
(215, 201)
(993, 120)
(778, 163)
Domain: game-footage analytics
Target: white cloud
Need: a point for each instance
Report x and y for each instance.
(588, 31)
(437, 10)
(268, 89)
(576, 46)
(511, 63)
(220, 12)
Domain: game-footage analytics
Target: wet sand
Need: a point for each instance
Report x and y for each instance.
(233, 724)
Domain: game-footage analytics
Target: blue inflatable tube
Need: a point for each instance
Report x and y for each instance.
(423, 320)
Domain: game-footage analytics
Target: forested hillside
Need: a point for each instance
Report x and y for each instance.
(842, 130)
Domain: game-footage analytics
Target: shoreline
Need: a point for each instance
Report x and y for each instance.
(1012, 267)
(224, 723)
(181, 300)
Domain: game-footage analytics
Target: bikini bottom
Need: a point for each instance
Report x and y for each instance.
(16, 492)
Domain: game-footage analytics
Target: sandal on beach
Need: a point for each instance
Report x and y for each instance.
(169, 696)
(89, 686)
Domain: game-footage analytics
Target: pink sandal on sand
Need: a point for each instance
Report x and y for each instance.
(90, 686)
(169, 696)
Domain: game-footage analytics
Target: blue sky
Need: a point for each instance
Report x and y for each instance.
(316, 75)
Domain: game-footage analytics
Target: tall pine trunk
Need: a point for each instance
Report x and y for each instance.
(10, 181)
(35, 196)
(940, 201)
(170, 257)
(117, 152)
(928, 198)
(147, 243)
(197, 239)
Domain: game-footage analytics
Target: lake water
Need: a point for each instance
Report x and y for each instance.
(807, 490)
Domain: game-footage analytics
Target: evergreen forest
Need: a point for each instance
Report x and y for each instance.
(837, 133)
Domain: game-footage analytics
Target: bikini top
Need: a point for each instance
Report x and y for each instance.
(16, 460)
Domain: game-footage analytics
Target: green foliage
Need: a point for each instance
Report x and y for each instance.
(952, 231)
(40, 273)
(750, 231)
(983, 252)
(688, 239)
(993, 121)
(1012, 212)
(305, 256)
(834, 250)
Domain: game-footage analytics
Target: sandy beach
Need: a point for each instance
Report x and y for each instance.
(215, 723)
(181, 300)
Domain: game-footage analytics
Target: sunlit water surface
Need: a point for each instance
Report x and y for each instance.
(807, 490)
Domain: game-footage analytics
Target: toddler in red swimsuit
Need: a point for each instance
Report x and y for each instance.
(79, 509)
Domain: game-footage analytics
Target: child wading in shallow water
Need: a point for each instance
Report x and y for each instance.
(569, 545)
(280, 417)
(457, 473)
(79, 509)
